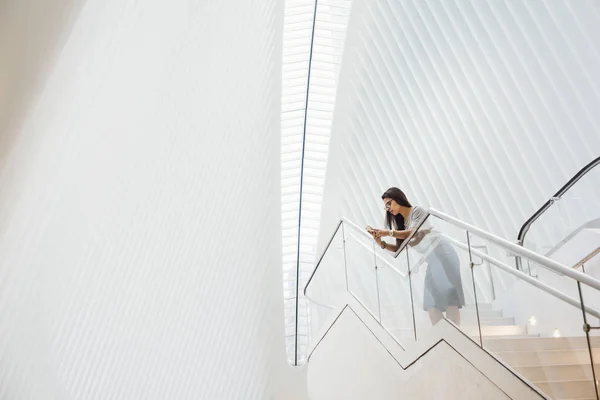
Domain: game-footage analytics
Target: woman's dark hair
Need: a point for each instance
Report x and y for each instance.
(399, 197)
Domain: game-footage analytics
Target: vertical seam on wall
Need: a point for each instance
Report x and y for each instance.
(312, 39)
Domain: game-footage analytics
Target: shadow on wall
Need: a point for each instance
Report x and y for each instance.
(32, 33)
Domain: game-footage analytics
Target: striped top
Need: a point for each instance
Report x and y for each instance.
(417, 214)
(422, 244)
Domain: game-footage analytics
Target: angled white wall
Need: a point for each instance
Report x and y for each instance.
(140, 245)
(356, 358)
(31, 35)
(482, 109)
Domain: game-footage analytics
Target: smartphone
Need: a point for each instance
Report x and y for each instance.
(370, 229)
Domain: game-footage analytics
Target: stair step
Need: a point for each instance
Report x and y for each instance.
(399, 312)
(481, 306)
(510, 337)
(409, 334)
(485, 313)
(579, 398)
(567, 389)
(559, 367)
(502, 321)
(547, 357)
(528, 343)
(557, 372)
(501, 330)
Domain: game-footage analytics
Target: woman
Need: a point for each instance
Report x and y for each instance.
(443, 284)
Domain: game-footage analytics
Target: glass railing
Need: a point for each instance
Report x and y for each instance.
(450, 270)
(352, 264)
(567, 227)
(327, 286)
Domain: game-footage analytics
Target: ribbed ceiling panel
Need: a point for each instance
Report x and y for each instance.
(478, 108)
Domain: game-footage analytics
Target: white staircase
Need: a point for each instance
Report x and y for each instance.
(493, 323)
(355, 358)
(560, 367)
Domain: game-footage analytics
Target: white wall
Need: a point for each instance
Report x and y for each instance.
(140, 241)
(482, 109)
(31, 34)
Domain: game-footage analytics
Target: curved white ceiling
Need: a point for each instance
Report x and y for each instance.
(482, 109)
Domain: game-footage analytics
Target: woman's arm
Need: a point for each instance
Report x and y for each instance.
(380, 233)
(418, 236)
(380, 242)
(390, 247)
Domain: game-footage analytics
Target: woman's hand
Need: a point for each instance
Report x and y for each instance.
(377, 235)
(380, 233)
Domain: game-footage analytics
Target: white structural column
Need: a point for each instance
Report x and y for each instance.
(140, 210)
(481, 109)
(306, 125)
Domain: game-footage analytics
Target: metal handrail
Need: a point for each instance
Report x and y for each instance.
(523, 276)
(514, 248)
(587, 258)
(525, 228)
(520, 251)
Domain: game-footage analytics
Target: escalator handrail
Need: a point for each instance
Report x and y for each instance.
(525, 228)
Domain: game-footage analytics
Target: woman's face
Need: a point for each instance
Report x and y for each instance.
(391, 206)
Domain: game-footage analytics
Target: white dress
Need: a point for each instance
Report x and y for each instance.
(443, 283)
